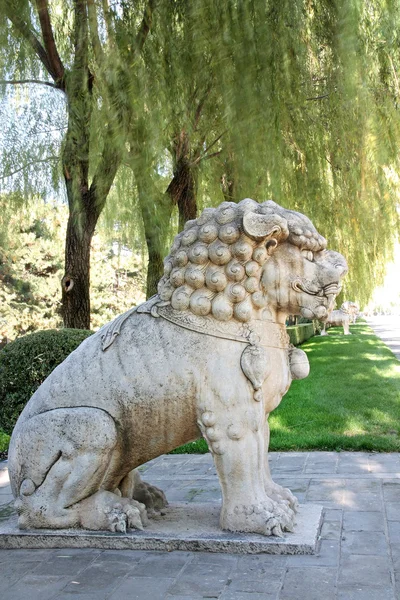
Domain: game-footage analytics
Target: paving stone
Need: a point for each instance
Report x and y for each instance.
(258, 586)
(189, 490)
(384, 463)
(393, 511)
(391, 491)
(261, 566)
(229, 594)
(394, 531)
(296, 485)
(322, 462)
(65, 563)
(395, 551)
(365, 593)
(360, 486)
(327, 556)
(133, 556)
(365, 570)
(313, 583)
(159, 564)
(138, 588)
(363, 521)
(357, 501)
(353, 463)
(321, 467)
(22, 555)
(101, 578)
(225, 560)
(364, 542)
(36, 587)
(201, 581)
(332, 515)
(12, 572)
(80, 595)
(326, 490)
(331, 530)
(290, 463)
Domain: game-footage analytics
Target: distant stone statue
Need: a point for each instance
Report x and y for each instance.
(346, 314)
(208, 355)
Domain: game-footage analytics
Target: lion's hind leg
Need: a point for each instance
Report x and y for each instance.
(59, 461)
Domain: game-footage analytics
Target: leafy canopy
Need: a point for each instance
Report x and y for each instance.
(294, 100)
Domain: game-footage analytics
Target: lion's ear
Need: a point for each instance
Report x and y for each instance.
(259, 226)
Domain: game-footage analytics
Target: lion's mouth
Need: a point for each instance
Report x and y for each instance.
(326, 295)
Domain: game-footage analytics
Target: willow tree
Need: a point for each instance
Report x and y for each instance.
(311, 96)
(54, 45)
(297, 101)
(306, 95)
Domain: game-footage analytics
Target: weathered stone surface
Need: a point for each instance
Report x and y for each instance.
(343, 317)
(190, 527)
(208, 355)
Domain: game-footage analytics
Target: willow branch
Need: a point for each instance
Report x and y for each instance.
(319, 97)
(27, 33)
(23, 81)
(107, 20)
(145, 25)
(208, 156)
(30, 164)
(94, 32)
(200, 106)
(81, 73)
(49, 41)
(200, 158)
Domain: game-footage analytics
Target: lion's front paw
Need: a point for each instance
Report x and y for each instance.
(121, 517)
(267, 518)
(105, 510)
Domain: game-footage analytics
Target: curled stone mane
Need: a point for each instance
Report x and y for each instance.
(215, 267)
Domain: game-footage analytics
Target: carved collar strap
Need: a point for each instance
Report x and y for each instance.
(256, 332)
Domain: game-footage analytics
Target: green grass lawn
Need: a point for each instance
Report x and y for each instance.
(350, 400)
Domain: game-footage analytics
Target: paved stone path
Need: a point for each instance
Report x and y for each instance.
(358, 556)
(388, 329)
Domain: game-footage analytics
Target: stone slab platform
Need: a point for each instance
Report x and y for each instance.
(184, 526)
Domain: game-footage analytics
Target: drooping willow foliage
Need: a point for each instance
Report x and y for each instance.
(295, 100)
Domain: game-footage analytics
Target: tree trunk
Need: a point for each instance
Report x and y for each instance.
(76, 280)
(228, 180)
(182, 191)
(156, 212)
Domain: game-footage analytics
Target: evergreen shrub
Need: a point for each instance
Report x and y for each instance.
(300, 333)
(25, 364)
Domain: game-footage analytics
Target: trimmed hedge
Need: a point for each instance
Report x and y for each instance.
(300, 333)
(25, 364)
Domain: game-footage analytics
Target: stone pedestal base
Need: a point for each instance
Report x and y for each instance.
(190, 527)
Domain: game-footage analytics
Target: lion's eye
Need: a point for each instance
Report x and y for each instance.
(308, 255)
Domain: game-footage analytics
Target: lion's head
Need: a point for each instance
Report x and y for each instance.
(251, 261)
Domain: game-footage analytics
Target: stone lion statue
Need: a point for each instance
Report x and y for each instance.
(343, 317)
(209, 355)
